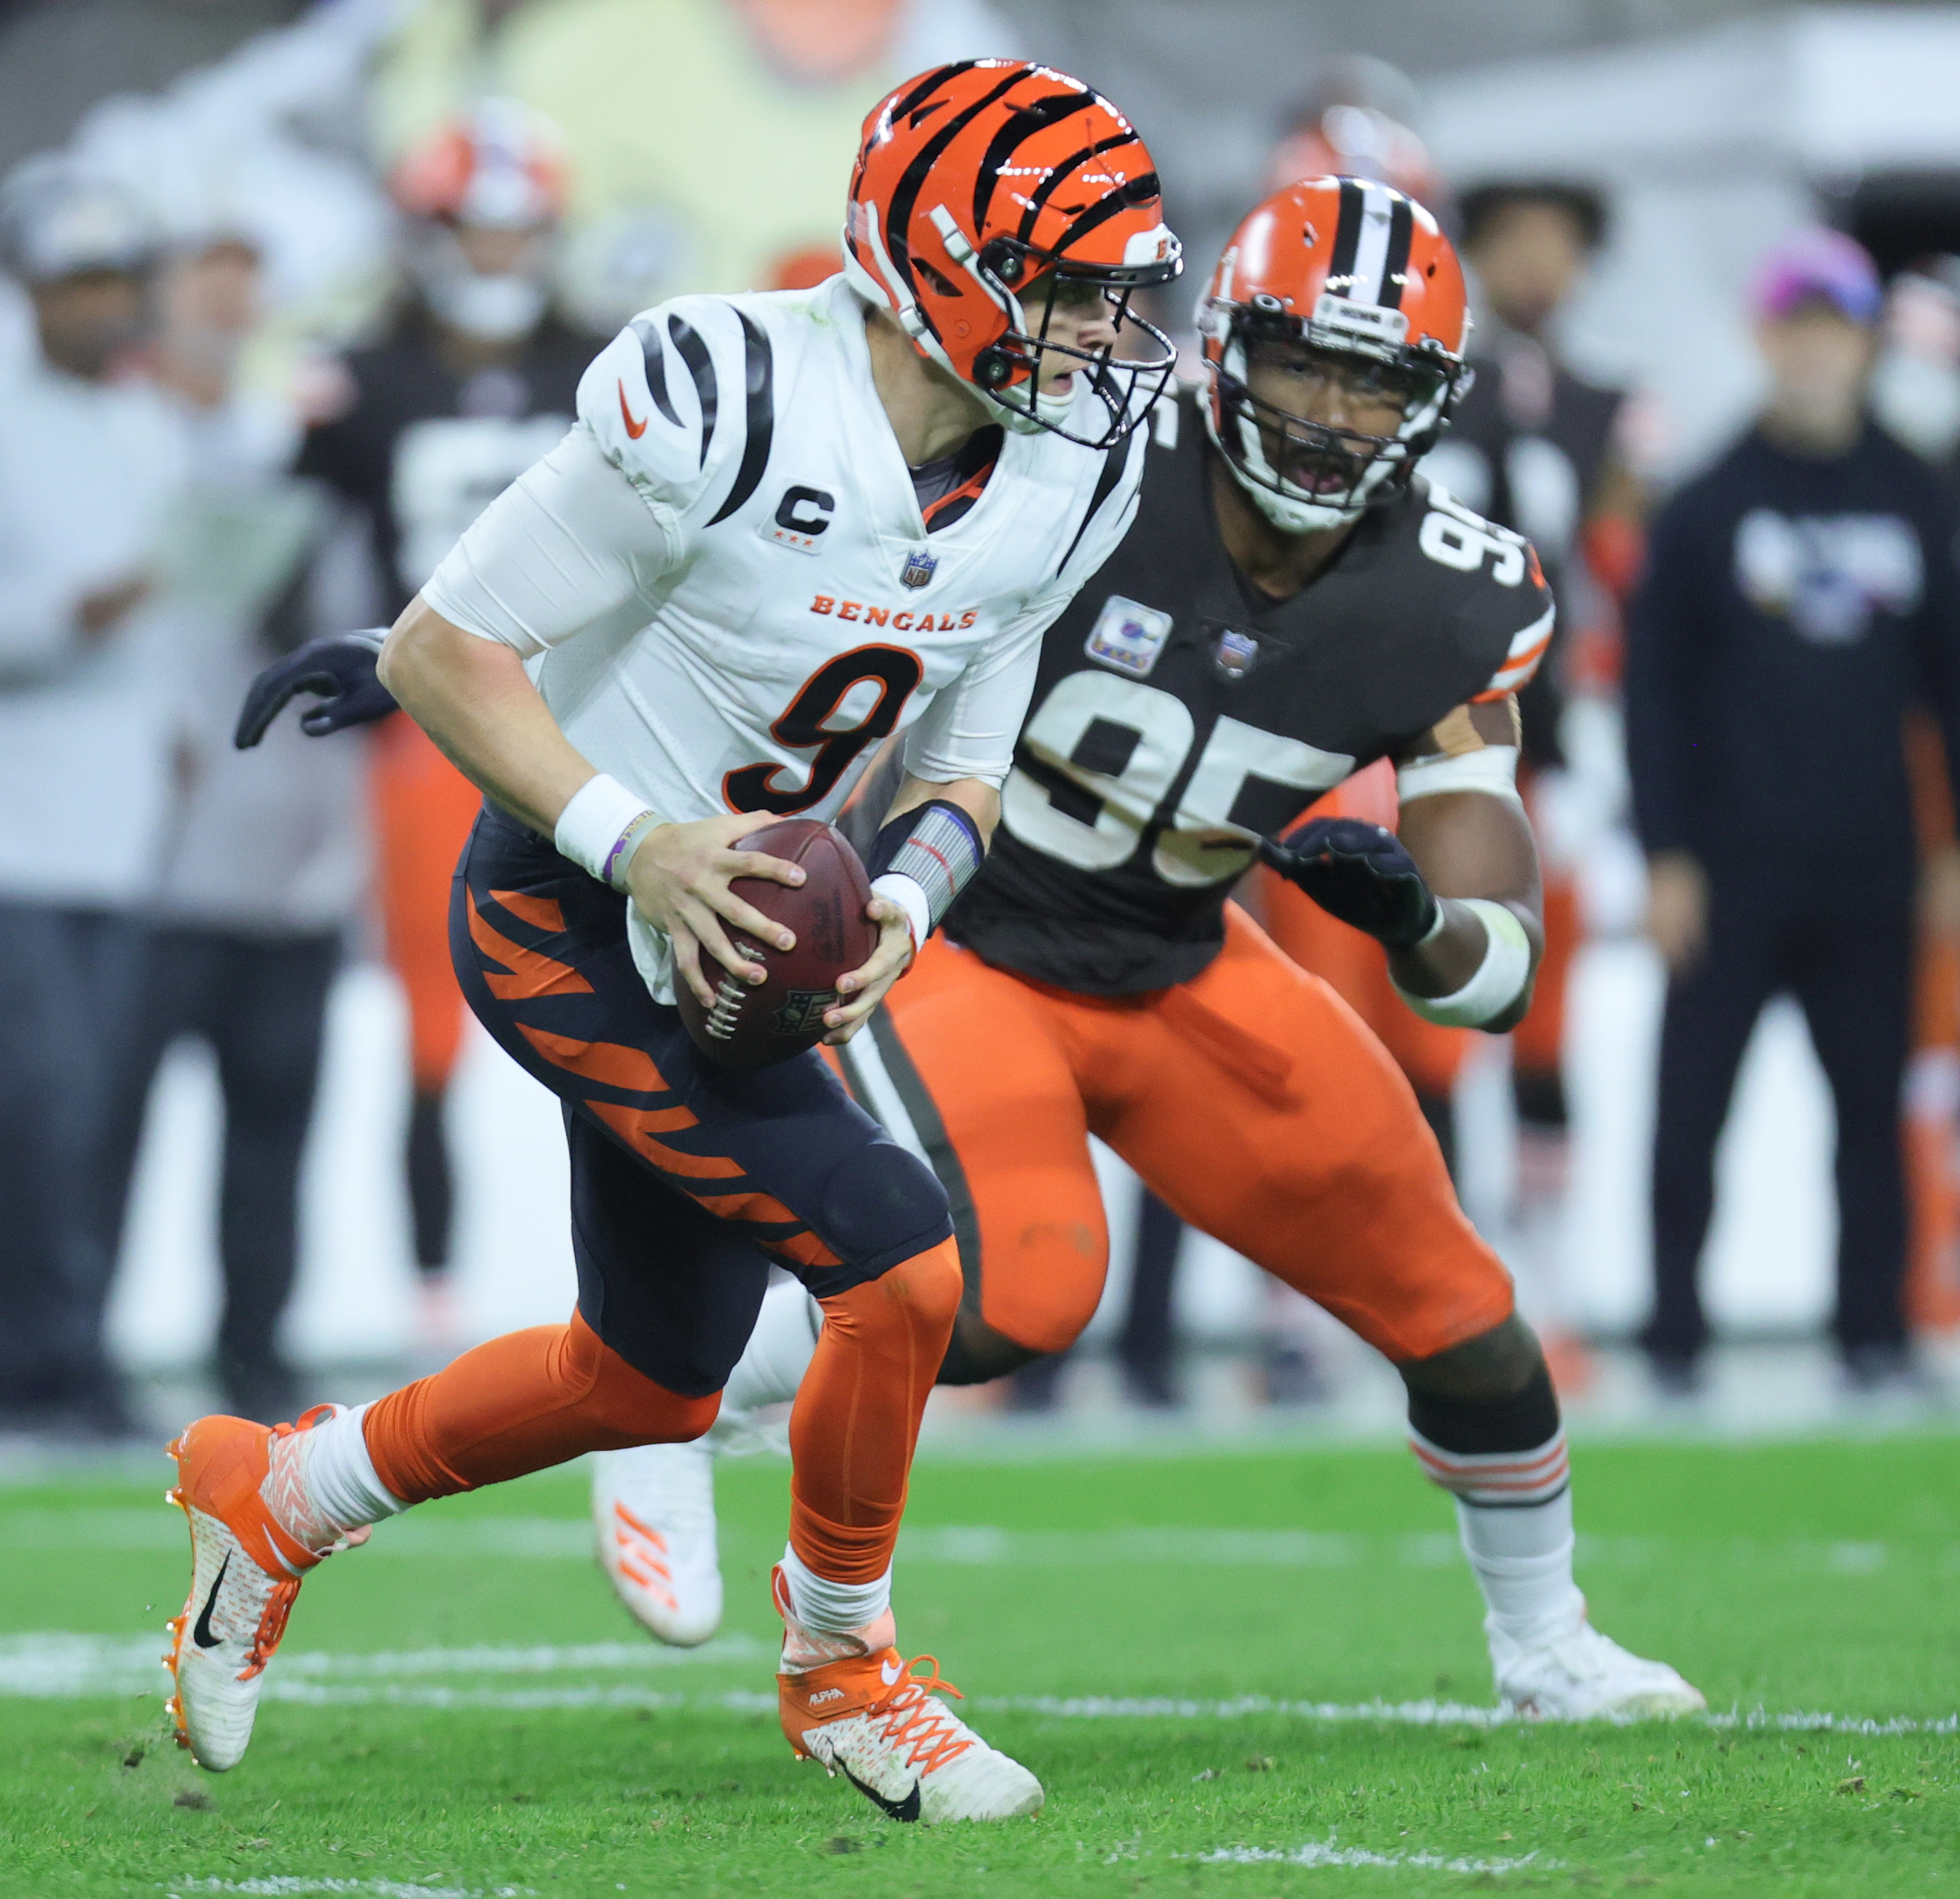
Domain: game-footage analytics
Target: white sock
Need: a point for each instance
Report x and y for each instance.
(1522, 1559)
(820, 1607)
(341, 1481)
(778, 1352)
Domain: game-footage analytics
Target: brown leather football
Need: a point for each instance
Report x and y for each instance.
(750, 1027)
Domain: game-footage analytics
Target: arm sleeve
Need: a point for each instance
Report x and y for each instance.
(566, 544)
(1663, 626)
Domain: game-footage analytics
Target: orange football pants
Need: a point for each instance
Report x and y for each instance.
(1251, 1099)
(423, 809)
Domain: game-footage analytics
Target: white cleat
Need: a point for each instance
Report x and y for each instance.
(245, 1572)
(874, 1719)
(653, 1508)
(1573, 1673)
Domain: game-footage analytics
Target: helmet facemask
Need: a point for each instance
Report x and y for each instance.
(1105, 394)
(1306, 459)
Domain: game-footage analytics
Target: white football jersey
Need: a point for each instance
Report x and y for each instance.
(745, 639)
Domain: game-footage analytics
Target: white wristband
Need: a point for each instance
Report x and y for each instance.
(593, 825)
(896, 887)
(1500, 979)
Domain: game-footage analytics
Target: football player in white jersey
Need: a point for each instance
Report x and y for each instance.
(784, 527)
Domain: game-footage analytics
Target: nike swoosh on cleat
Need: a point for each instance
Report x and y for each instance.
(635, 429)
(200, 1630)
(905, 1809)
(889, 1674)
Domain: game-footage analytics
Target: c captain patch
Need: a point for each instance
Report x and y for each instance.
(1128, 635)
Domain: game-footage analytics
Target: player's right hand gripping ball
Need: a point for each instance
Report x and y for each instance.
(1360, 873)
(750, 1027)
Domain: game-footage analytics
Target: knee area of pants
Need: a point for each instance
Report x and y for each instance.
(929, 1285)
(882, 1198)
(655, 1415)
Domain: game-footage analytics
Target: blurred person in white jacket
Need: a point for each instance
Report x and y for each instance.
(92, 463)
(262, 860)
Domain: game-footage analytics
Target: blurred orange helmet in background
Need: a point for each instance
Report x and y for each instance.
(1350, 275)
(502, 168)
(980, 189)
(483, 196)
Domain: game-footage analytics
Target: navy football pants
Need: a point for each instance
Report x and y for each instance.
(687, 1180)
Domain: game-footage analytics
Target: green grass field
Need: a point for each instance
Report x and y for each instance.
(1183, 1647)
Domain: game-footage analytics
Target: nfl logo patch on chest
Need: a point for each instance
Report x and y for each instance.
(1233, 654)
(919, 568)
(1128, 635)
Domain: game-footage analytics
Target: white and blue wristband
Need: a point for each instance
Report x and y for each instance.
(601, 827)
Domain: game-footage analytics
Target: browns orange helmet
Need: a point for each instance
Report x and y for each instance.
(987, 194)
(500, 173)
(1350, 284)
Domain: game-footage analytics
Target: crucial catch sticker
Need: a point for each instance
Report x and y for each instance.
(1128, 635)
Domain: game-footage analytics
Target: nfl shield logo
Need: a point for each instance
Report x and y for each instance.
(919, 567)
(1234, 653)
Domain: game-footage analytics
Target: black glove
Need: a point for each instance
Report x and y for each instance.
(340, 670)
(1361, 874)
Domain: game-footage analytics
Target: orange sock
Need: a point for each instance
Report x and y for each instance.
(857, 1414)
(522, 1403)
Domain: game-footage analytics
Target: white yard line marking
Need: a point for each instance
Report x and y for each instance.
(570, 1539)
(388, 1888)
(1324, 1852)
(60, 1666)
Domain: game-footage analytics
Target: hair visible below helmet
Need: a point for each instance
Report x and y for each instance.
(502, 168)
(981, 190)
(1350, 273)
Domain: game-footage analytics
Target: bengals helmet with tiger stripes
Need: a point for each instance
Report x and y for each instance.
(1349, 279)
(984, 188)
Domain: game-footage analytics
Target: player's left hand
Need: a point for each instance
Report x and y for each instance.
(865, 987)
(1361, 873)
(340, 670)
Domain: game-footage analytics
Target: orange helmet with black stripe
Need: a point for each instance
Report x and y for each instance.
(1350, 283)
(984, 192)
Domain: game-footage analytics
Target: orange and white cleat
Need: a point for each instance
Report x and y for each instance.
(245, 1572)
(874, 1719)
(653, 1509)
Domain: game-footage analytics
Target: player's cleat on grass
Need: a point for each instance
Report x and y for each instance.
(1573, 1673)
(653, 1509)
(875, 1719)
(245, 1572)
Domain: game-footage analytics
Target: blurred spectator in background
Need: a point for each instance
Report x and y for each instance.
(1534, 446)
(92, 466)
(705, 136)
(58, 57)
(261, 863)
(1799, 597)
(474, 381)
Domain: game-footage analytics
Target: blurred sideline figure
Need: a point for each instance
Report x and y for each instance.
(91, 466)
(1799, 596)
(260, 861)
(474, 381)
(774, 88)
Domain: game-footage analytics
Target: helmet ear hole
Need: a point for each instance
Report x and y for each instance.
(1004, 260)
(992, 367)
